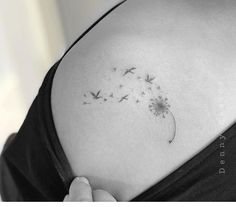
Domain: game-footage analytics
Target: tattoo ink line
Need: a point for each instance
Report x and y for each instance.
(149, 79)
(85, 103)
(121, 86)
(123, 98)
(111, 95)
(160, 107)
(96, 96)
(129, 71)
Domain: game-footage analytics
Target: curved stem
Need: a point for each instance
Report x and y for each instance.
(171, 140)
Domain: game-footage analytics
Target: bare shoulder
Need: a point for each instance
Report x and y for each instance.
(129, 98)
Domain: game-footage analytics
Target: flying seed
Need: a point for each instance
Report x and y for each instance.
(111, 95)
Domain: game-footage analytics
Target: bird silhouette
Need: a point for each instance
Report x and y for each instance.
(149, 79)
(96, 96)
(129, 71)
(123, 98)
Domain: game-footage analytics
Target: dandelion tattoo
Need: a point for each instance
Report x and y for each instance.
(158, 105)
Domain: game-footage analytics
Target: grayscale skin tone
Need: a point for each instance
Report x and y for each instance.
(145, 90)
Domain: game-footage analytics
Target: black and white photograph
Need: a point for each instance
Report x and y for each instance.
(118, 101)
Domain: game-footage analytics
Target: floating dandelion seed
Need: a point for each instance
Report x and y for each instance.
(85, 103)
(121, 86)
(159, 106)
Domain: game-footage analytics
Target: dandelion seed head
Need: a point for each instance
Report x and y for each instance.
(159, 106)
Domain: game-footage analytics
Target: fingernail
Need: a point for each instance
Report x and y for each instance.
(83, 179)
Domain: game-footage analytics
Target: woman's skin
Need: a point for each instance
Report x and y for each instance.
(145, 90)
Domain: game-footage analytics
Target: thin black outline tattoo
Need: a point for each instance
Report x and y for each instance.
(124, 98)
(85, 103)
(160, 106)
(149, 79)
(171, 140)
(96, 96)
(111, 95)
(129, 71)
(121, 86)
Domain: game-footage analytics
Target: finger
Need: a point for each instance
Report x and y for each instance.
(80, 190)
(102, 195)
(66, 198)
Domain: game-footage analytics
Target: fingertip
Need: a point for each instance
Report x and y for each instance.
(66, 198)
(82, 179)
(80, 190)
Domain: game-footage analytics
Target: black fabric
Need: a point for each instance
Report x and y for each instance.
(33, 165)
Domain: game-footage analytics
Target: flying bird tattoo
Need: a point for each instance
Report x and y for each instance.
(129, 71)
(123, 98)
(96, 96)
(149, 79)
